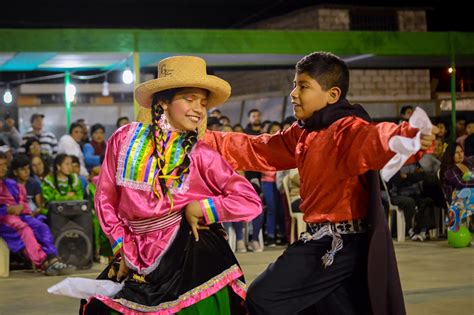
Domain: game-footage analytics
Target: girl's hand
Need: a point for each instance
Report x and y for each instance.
(123, 270)
(194, 216)
(71, 194)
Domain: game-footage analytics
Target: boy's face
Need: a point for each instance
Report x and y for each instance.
(307, 96)
(470, 128)
(22, 173)
(76, 168)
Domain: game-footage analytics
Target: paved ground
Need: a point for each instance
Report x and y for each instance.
(436, 279)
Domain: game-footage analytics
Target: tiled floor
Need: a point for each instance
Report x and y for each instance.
(436, 279)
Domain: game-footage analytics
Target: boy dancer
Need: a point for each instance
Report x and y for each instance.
(346, 259)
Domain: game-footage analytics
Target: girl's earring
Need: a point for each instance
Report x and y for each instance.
(163, 122)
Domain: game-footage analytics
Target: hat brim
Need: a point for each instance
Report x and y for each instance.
(219, 89)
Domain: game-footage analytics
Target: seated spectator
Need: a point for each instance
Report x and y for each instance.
(405, 113)
(95, 150)
(33, 148)
(39, 168)
(409, 182)
(457, 173)
(15, 213)
(9, 134)
(21, 171)
(62, 184)
(70, 145)
(215, 113)
(469, 131)
(5, 148)
(85, 132)
(49, 143)
(456, 170)
(214, 124)
(224, 120)
(122, 121)
(226, 128)
(238, 128)
(76, 169)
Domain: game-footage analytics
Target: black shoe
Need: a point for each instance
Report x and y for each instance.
(281, 241)
(270, 242)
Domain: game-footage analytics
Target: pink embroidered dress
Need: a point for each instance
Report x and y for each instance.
(142, 226)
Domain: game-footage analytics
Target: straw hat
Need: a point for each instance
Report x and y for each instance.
(183, 71)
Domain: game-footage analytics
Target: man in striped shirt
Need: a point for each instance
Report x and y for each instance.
(49, 143)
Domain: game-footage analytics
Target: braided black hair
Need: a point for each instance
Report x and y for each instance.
(190, 137)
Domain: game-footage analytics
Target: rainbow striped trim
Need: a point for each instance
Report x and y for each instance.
(209, 210)
(137, 167)
(117, 246)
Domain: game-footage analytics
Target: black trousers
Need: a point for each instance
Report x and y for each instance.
(297, 283)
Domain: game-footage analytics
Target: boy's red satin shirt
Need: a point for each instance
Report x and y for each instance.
(332, 162)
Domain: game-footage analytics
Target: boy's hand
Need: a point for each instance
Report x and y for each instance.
(71, 194)
(427, 141)
(194, 216)
(15, 210)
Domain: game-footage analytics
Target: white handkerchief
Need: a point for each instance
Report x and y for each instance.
(405, 147)
(85, 288)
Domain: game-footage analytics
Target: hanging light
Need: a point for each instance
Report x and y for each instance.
(127, 76)
(450, 70)
(7, 96)
(70, 92)
(105, 88)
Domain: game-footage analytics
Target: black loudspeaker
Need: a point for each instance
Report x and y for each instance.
(71, 225)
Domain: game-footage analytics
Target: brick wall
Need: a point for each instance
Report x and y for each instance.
(412, 21)
(390, 85)
(334, 20)
(366, 85)
(312, 18)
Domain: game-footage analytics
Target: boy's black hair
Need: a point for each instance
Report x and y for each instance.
(327, 69)
(20, 160)
(224, 117)
(3, 156)
(253, 110)
(75, 159)
(404, 109)
(119, 119)
(215, 110)
(29, 143)
(74, 126)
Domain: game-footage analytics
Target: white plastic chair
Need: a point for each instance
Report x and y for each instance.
(401, 224)
(297, 221)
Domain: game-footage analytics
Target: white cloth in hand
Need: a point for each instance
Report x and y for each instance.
(405, 147)
(85, 288)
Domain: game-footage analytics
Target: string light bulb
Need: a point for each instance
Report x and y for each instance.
(450, 70)
(7, 96)
(127, 76)
(70, 92)
(105, 88)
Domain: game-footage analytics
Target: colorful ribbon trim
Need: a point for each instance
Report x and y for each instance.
(209, 210)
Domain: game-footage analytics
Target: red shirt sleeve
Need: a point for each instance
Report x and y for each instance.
(256, 153)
